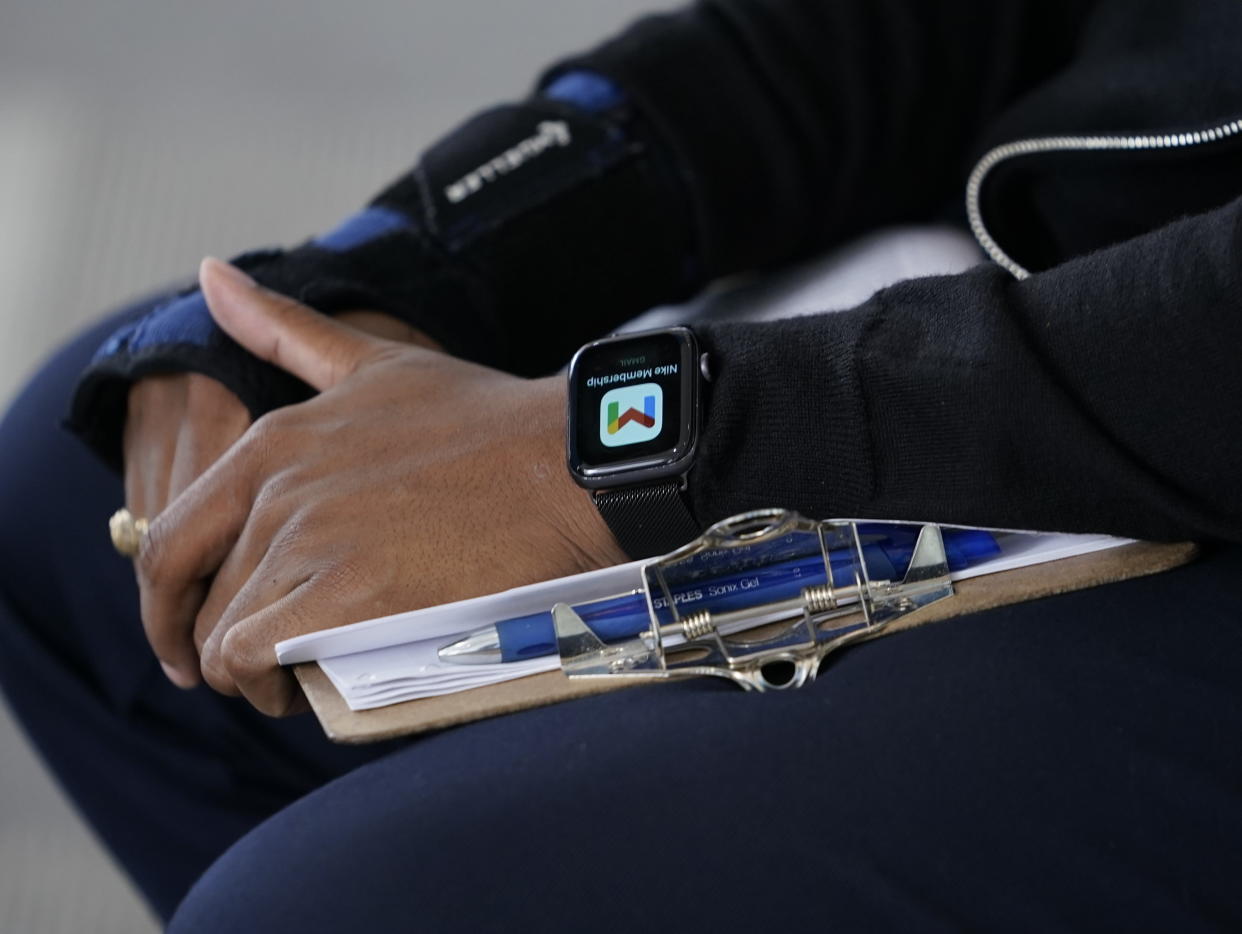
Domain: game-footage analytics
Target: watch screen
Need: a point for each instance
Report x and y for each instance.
(630, 401)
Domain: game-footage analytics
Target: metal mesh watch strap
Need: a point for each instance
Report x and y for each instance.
(648, 520)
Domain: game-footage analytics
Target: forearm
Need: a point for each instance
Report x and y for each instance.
(1098, 396)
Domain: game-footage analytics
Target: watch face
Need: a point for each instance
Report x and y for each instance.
(632, 404)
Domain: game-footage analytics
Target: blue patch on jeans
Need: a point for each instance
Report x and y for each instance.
(363, 227)
(586, 90)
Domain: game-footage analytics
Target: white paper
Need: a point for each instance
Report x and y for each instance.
(454, 619)
(386, 676)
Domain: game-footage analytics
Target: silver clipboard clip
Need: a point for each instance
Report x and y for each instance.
(761, 599)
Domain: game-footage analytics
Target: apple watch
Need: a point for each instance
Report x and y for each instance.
(635, 413)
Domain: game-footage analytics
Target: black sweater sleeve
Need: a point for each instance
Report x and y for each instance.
(1100, 396)
(797, 123)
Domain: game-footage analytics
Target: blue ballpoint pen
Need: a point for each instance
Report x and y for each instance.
(619, 617)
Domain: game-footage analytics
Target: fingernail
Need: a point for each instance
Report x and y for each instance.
(178, 677)
(226, 271)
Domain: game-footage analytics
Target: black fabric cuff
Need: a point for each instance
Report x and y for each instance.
(588, 231)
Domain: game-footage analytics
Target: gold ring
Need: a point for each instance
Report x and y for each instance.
(127, 532)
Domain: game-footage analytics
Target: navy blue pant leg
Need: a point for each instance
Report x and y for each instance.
(168, 778)
(1068, 764)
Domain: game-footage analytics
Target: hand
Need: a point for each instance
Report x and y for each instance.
(413, 479)
(177, 425)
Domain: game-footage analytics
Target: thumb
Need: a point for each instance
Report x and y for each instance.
(280, 330)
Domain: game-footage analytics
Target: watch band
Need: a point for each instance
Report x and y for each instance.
(648, 520)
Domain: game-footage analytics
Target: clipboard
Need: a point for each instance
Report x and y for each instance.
(343, 725)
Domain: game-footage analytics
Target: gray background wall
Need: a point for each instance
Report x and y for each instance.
(137, 136)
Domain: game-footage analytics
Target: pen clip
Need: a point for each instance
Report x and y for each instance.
(813, 588)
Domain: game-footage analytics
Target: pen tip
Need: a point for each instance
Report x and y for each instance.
(478, 648)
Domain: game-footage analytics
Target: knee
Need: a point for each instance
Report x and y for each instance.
(45, 473)
(55, 498)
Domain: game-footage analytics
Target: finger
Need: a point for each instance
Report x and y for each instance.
(193, 456)
(184, 671)
(147, 478)
(149, 442)
(245, 651)
(265, 587)
(184, 546)
(241, 587)
(284, 332)
(217, 421)
(234, 575)
(284, 597)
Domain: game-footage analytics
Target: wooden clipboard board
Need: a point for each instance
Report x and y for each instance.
(343, 725)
